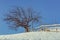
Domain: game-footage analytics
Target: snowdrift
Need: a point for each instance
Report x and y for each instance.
(32, 36)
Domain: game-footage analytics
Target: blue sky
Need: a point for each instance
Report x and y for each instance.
(50, 10)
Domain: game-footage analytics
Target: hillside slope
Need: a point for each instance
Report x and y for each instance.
(32, 36)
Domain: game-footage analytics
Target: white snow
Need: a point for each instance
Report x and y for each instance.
(32, 36)
(50, 27)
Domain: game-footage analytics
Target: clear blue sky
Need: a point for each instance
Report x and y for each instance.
(50, 10)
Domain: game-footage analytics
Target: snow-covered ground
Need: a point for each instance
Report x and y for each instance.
(32, 36)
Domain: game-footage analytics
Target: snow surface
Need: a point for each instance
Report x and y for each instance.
(32, 36)
(50, 27)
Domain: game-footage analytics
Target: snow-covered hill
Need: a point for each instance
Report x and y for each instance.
(32, 36)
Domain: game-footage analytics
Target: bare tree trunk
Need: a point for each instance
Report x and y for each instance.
(26, 29)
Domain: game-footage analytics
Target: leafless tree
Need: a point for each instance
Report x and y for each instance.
(19, 17)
